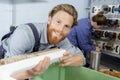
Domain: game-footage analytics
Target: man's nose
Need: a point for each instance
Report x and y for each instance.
(61, 28)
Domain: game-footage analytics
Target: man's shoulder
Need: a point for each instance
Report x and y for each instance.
(35, 24)
(83, 19)
(40, 25)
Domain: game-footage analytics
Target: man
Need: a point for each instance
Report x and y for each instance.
(80, 35)
(52, 34)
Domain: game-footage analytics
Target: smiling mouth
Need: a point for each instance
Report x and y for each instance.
(58, 34)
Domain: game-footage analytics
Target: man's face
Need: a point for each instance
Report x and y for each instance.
(59, 26)
(95, 25)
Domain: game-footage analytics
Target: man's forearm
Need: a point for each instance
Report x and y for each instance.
(21, 75)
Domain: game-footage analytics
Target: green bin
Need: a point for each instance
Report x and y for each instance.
(72, 73)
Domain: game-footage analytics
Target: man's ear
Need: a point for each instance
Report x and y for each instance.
(49, 19)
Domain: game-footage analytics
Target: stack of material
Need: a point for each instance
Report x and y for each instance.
(17, 58)
(110, 72)
(20, 63)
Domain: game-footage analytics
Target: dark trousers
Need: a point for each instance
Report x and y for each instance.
(87, 56)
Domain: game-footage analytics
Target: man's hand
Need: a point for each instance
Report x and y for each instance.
(37, 70)
(40, 67)
(69, 60)
(97, 49)
(96, 46)
(95, 43)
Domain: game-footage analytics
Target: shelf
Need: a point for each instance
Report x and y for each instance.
(110, 62)
(108, 41)
(111, 54)
(110, 29)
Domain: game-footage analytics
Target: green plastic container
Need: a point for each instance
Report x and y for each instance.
(72, 73)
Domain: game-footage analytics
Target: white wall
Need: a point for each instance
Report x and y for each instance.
(5, 18)
(33, 12)
(38, 12)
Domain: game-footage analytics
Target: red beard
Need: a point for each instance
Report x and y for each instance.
(52, 38)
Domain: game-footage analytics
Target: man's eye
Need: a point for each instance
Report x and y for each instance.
(58, 21)
(67, 26)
